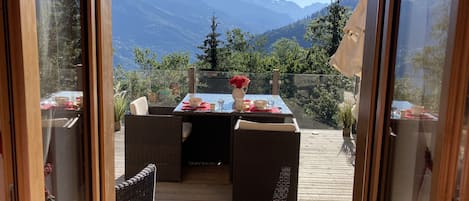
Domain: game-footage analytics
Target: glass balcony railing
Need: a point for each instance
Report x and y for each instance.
(219, 82)
(161, 87)
(313, 98)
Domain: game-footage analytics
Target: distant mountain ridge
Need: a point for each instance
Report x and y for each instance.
(290, 8)
(297, 30)
(167, 26)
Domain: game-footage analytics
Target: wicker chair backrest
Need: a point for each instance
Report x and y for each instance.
(141, 187)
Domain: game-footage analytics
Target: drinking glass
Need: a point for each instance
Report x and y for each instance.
(271, 103)
(220, 104)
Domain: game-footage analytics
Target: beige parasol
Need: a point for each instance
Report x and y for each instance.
(348, 58)
(349, 55)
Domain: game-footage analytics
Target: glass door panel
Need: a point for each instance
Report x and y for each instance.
(6, 169)
(2, 169)
(419, 64)
(6, 166)
(463, 159)
(61, 56)
(6, 173)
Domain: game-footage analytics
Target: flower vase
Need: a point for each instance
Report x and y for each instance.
(238, 93)
(239, 105)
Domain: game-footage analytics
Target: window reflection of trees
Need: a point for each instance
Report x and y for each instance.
(427, 62)
(60, 62)
(59, 42)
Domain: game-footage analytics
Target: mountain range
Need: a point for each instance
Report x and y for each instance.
(297, 30)
(167, 26)
(290, 8)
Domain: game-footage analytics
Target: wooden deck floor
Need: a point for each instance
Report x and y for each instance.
(326, 172)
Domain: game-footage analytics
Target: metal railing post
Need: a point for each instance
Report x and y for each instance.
(275, 82)
(191, 77)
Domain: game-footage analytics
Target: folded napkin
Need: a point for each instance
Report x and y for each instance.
(409, 115)
(252, 108)
(187, 102)
(203, 106)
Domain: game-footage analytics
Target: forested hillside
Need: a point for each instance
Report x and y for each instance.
(239, 51)
(297, 30)
(168, 26)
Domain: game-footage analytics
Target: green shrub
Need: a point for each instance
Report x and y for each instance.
(344, 115)
(120, 103)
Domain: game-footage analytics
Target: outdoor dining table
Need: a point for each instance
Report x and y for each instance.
(210, 141)
(224, 105)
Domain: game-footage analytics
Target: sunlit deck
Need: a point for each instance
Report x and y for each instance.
(325, 172)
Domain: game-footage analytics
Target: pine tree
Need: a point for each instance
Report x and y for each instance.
(326, 31)
(325, 34)
(210, 47)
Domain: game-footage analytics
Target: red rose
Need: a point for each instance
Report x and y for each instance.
(239, 81)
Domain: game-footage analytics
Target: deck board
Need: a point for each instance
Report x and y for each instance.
(325, 172)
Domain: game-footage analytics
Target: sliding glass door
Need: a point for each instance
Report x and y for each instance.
(462, 175)
(55, 100)
(63, 109)
(412, 125)
(6, 146)
(420, 55)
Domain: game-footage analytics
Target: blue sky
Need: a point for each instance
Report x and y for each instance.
(304, 3)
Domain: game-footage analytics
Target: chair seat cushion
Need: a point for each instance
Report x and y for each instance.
(186, 130)
(250, 125)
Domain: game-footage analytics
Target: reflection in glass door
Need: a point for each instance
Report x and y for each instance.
(6, 167)
(59, 27)
(2, 169)
(419, 64)
(463, 158)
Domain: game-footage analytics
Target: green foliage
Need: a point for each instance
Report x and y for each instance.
(403, 90)
(174, 61)
(145, 59)
(345, 116)
(136, 85)
(210, 49)
(120, 102)
(322, 108)
(163, 82)
(326, 31)
(290, 56)
(429, 61)
(242, 52)
(318, 60)
(152, 71)
(59, 43)
(237, 40)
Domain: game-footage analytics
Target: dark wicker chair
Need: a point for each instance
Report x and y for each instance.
(265, 161)
(141, 187)
(153, 138)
